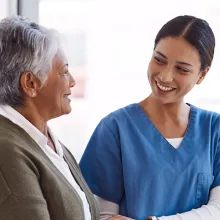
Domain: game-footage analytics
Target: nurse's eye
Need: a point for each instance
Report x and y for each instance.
(159, 60)
(182, 70)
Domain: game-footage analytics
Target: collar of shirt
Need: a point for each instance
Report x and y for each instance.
(18, 119)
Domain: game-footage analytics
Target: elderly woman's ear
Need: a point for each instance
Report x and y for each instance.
(30, 84)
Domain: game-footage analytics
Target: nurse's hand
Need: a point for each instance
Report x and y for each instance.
(119, 217)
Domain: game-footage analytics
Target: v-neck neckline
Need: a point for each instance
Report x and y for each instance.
(189, 128)
(176, 157)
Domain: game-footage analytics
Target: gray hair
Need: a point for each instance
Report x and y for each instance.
(24, 46)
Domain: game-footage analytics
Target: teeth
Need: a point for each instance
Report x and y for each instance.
(164, 88)
(68, 97)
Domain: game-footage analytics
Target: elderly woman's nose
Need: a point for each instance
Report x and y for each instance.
(72, 81)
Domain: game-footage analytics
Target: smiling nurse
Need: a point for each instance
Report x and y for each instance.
(161, 157)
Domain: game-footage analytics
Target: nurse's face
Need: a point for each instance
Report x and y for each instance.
(174, 69)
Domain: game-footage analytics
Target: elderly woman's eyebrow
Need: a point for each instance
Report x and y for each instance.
(64, 65)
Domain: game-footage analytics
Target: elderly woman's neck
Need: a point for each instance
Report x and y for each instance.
(34, 117)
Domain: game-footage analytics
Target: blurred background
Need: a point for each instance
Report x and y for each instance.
(109, 44)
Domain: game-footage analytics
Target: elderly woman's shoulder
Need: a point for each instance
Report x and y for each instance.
(15, 154)
(9, 131)
(12, 142)
(10, 148)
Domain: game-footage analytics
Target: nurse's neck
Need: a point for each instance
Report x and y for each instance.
(174, 111)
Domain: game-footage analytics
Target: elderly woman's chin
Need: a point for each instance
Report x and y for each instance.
(54, 108)
(67, 108)
(67, 98)
(64, 109)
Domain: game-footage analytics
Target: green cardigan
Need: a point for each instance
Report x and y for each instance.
(31, 187)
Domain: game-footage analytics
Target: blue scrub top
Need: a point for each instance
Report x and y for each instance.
(128, 161)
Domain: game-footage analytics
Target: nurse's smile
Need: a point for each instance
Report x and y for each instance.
(164, 88)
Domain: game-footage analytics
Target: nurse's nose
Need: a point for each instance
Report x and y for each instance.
(166, 75)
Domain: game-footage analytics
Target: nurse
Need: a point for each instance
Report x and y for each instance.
(161, 157)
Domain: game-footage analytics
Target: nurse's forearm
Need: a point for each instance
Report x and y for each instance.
(119, 217)
(210, 211)
(115, 217)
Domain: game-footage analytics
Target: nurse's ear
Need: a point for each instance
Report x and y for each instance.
(202, 75)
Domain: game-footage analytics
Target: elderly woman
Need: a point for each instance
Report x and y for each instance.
(39, 178)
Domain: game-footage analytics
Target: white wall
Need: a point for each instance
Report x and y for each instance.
(7, 8)
(3, 9)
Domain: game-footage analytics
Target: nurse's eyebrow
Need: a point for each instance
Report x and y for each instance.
(179, 62)
(188, 64)
(162, 55)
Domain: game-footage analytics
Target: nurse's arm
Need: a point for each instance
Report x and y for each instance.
(110, 211)
(210, 211)
(119, 217)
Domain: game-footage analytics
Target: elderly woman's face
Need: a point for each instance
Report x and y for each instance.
(54, 97)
